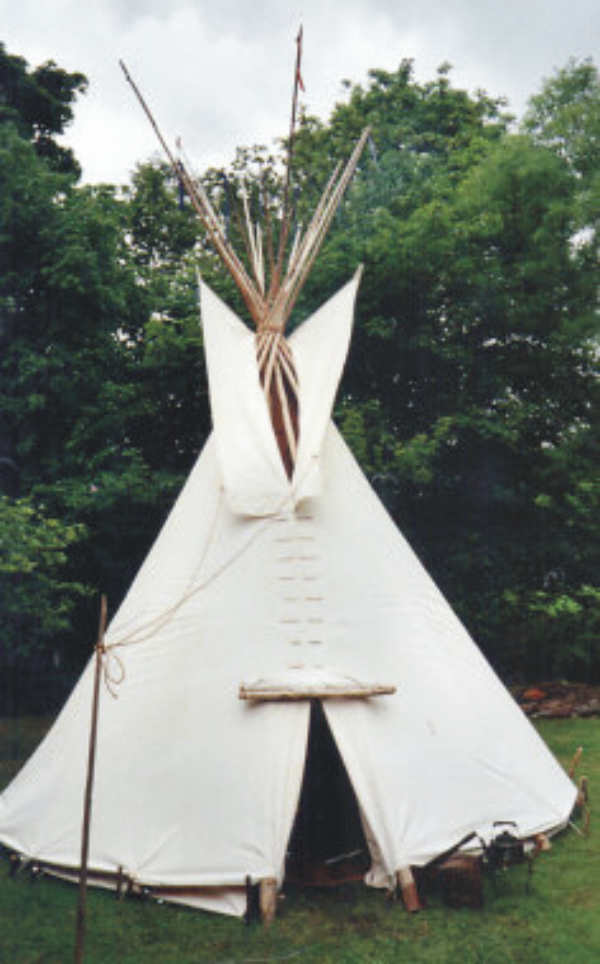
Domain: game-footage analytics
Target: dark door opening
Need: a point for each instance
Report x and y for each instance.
(327, 844)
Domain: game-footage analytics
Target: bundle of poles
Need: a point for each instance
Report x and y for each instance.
(269, 305)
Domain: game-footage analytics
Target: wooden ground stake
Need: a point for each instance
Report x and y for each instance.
(89, 784)
(267, 899)
(542, 844)
(408, 888)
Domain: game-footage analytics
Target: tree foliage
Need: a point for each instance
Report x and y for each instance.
(35, 601)
(565, 116)
(40, 105)
(75, 400)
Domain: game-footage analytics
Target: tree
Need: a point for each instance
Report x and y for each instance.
(163, 241)
(558, 618)
(35, 598)
(565, 117)
(72, 307)
(39, 103)
(35, 106)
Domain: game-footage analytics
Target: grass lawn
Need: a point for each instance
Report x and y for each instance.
(558, 920)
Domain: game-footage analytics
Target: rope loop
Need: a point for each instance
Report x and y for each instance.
(113, 670)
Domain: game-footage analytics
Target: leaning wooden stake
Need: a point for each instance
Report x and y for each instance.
(575, 761)
(89, 785)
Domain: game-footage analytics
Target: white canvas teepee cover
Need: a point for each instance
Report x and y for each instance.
(305, 580)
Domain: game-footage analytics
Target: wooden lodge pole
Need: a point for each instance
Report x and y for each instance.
(89, 785)
(286, 214)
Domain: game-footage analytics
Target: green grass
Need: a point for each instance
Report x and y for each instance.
(558, 920)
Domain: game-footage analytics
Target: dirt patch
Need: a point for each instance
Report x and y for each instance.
(560, 700)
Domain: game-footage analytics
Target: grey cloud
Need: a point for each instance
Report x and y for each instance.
(219, 73)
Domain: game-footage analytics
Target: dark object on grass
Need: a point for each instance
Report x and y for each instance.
(461, 881)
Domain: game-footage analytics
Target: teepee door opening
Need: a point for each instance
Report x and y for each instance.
(327, 844)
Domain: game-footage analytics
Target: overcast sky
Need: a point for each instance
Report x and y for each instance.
(219, 73)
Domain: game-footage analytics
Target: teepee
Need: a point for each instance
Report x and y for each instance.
(278, 580)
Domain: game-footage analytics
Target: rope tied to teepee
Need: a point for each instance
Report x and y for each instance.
(113, 670)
